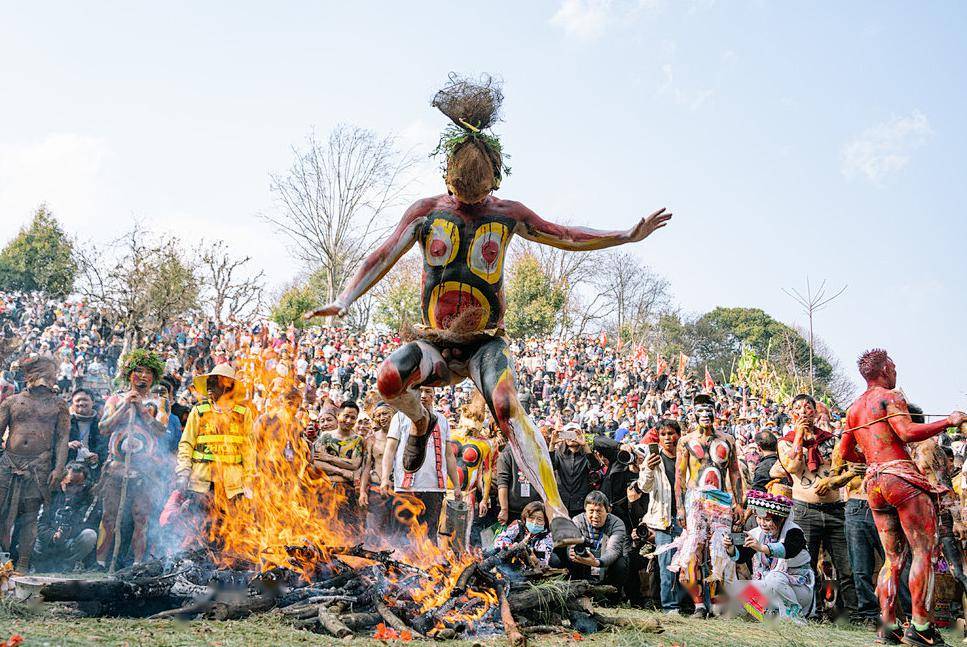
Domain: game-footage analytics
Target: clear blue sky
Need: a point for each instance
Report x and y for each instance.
(790, 139)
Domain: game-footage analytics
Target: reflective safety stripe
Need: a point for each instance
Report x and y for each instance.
(220, 438)
(232, 459)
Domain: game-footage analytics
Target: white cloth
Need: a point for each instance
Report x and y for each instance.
(430, 474)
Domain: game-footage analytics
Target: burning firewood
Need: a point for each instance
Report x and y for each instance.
(393, 621)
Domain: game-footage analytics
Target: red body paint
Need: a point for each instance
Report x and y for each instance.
(902, 501)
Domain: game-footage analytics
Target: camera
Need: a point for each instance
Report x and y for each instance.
(582, 550)
(626, 457)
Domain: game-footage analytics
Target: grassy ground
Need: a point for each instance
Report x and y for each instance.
(53, 626)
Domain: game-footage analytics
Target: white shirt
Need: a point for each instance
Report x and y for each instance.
(433, 472)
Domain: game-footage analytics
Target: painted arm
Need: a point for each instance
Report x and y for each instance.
(847, 446)
(790, 455)
(62, 432)
(533, 227)
(681, 473)
(113, 409)
(451, 458)
(735, 477)
(379, 262)
(389, 457)
(911, 432)
(367, 467)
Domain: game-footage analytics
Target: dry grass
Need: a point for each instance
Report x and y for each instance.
(53, 626)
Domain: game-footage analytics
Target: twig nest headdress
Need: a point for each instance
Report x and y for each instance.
(39, 371)
(139, 357)
(764, 503)
(473, 107)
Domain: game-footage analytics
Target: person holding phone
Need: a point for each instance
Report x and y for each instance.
(573, 463)
(657, 478)
(776, 553)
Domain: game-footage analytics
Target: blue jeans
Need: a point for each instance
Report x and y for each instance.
(671, 590)
(864, 547)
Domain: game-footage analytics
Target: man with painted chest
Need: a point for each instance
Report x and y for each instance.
(464, 236)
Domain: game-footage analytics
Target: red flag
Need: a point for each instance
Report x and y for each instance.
(603, 339)
(709, 382)
(682, 364)
(660, 365)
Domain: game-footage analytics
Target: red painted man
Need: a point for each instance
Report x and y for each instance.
(464, 237)
(901, 498)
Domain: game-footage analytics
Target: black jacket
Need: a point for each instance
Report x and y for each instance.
(573, 473)
(95, 443)
(510, 477)
(69, 516)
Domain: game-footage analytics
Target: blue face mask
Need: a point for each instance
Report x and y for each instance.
(534, 528)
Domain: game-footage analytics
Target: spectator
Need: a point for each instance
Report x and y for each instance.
(573, 464)
(776, 553)
(603, 556)
(806, 454)
(85, 442)
(514, 491)
(767, 443)
(426, 487)
(339, 455)
(67, 530)
(531, 533)
(658, 480)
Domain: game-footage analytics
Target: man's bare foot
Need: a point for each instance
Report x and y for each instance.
(565, 533)
(414, 453)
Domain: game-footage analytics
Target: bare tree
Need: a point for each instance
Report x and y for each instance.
(634, 293)
(228, 283)
(332, 199)
(571, 272)
(812, 302)
(144, 282)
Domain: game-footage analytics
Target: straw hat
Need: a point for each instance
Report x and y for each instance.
(222, 370)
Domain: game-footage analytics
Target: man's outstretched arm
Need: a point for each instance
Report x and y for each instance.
(912, 432)
(533, 227)
(379, 262)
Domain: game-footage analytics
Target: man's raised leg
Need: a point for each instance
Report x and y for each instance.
(491, 369)
(400, 375)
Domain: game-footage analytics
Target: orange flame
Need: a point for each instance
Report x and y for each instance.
(294, 504)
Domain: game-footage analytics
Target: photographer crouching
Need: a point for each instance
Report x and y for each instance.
(603, 555)
(67, 530)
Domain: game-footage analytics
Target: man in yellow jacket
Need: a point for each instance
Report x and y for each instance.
(217, 448)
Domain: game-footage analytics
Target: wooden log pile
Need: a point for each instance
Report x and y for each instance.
(373, 595)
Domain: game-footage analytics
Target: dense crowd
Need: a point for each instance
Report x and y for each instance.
(684, 489)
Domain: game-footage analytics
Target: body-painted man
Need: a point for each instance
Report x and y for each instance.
(901, 498)
(464, 236)
(135, 469)
(706, 459)
(37, 427)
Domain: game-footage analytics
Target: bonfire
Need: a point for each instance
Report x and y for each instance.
(285, 550)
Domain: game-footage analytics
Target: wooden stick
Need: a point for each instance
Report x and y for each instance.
(357, 621)
(332, 624)
(119, 520)
(393, 621)
(516, 638)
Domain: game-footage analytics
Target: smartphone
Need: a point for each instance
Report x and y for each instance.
(652, 448)
(738, 539)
